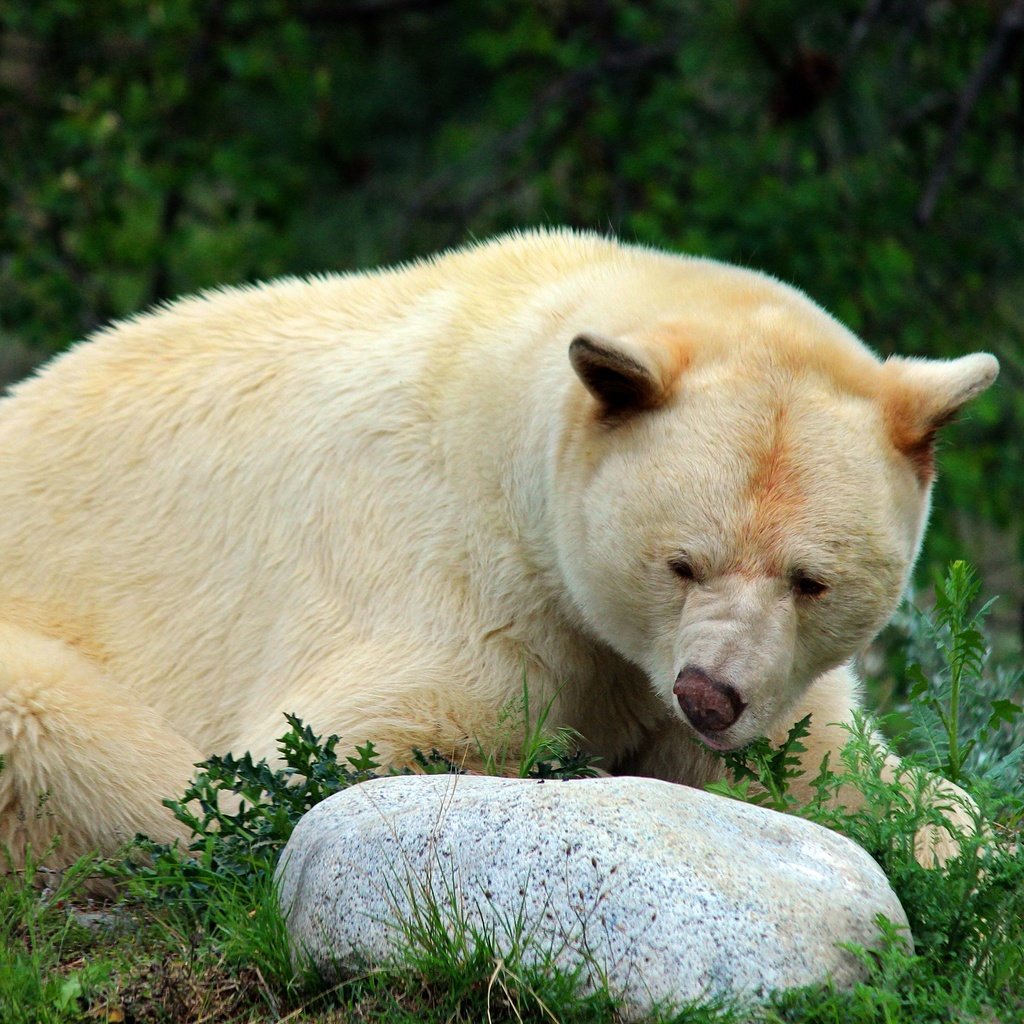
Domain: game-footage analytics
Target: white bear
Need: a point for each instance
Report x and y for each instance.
(675, 495)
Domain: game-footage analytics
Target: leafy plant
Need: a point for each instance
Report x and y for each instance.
(959, 712)
(899, 987)
(761, 772)
(242, 812)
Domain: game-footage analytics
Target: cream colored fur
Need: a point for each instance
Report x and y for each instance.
(377, 500)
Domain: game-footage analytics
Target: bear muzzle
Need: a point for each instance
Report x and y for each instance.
(711, 705)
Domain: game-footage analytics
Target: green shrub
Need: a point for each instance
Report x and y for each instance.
(241, 812)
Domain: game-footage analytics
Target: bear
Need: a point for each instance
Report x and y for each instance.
(672, 497)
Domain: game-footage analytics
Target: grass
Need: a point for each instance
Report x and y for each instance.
(44, 975)
(199, 937)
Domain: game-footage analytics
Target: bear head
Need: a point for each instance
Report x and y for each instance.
(742, 489)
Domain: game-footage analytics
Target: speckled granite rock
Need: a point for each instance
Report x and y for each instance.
(672, 893)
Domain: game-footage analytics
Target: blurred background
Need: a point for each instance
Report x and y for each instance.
(870, 152)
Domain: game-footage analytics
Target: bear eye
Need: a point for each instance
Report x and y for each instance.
(683, 568)
(807, 586)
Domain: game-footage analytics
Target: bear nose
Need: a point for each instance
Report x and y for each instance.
(710, 704)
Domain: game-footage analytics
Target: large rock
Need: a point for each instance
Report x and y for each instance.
(668, 892)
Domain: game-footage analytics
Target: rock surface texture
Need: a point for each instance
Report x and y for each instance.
(669, 893)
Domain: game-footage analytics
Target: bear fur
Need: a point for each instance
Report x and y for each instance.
(674, 496)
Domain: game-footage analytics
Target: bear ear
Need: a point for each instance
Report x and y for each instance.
(922, 395)
(618, 374)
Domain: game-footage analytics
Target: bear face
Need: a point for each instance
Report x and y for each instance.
(746, 514)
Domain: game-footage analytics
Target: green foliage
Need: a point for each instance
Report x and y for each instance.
(960, 913)
(242, 812)
(244, 921)
(36, 934)
(956, 637)
(962, 711)
(900, 988)
(155, 149)
(761, 772)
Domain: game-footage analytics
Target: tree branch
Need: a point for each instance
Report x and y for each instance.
(1009, 28)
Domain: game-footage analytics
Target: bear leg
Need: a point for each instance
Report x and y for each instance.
(85, 764)
(831, 701)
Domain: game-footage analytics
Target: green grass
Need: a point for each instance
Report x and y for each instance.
(200, 938)
(44, 976)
